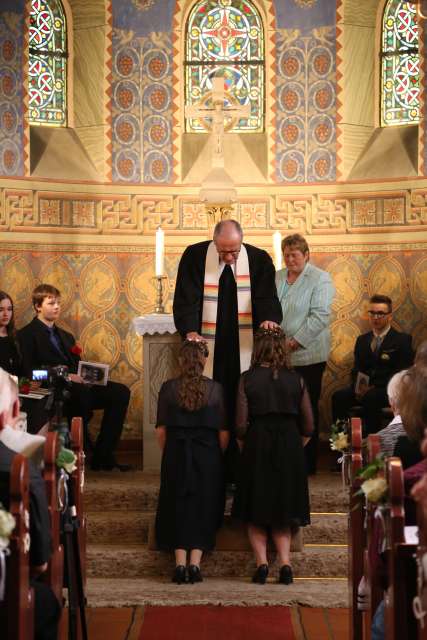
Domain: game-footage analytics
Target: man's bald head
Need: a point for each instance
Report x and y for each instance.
(9, 403)
(228, 236)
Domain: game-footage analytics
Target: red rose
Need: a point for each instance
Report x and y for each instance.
(76, 349)
(24, 388)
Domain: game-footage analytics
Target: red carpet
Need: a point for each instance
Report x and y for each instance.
(214, 623)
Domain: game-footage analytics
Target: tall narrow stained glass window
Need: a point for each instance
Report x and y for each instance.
(400, 64)
(225, 38)
(47, 63)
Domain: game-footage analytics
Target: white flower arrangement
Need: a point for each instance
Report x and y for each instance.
(339, 439)
(374, 489)
(7, 525)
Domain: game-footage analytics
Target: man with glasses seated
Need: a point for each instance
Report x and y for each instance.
(378, 355)
(225, 290)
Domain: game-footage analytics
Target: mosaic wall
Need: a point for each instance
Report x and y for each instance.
(11, 88)
(306, 136)
(104, 288)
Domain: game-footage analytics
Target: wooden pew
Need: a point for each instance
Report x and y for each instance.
(55, 573)
(17, 610)
(375, 591)
(78, 482)
(420, 600)
(399, 618)
(355, 530)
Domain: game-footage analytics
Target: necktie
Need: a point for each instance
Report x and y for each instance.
(56, 343)
(376, 344)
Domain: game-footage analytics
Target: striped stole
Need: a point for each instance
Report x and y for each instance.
(244, 306)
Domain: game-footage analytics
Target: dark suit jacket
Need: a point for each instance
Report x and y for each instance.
(38, 351)
(394, 355)
(188, 298)
(40, 549)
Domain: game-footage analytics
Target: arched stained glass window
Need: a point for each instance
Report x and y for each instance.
(225, 38)
(47, 63)
(400, 64)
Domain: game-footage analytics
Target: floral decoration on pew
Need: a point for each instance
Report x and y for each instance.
(66, 460)
(7, 525)
(24, 385)
(339, 439)
(374, 486)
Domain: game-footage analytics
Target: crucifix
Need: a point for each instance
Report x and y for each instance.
(217, 113)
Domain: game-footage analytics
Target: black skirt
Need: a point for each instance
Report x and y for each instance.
(272, 487)
(192, 491)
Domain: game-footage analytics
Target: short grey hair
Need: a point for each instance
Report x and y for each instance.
(220, 227)
(394, 385)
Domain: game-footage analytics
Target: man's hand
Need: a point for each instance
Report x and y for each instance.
(292, 344)
(193, 335)
(269, 324)
(37, 569)
(75, 378)
(363, 389)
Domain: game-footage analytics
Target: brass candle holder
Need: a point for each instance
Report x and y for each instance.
(159, 290)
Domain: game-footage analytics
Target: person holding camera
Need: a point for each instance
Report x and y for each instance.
(44, 345)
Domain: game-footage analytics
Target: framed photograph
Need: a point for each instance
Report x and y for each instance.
(93, 372)
(362, 383)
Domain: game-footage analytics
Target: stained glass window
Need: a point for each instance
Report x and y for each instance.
(400, 64)
(47, 63)
(225, 38)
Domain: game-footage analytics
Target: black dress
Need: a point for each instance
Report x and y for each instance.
(272, 488)
(191, 498)
(37, 412)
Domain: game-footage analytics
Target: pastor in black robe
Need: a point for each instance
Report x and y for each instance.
(188, 308)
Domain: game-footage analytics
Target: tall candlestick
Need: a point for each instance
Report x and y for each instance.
(160, 251)
(277, 247)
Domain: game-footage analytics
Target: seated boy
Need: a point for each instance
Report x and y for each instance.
(43, 344)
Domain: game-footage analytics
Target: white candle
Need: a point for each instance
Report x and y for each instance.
(277, 247)
(160, 251)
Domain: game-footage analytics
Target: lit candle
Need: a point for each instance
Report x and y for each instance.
(277, 247)
(160, 251)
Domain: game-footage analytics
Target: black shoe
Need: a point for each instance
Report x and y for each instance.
(99, 466)
(260, 575)
(285, 575)
(179, 575)
(194, 574)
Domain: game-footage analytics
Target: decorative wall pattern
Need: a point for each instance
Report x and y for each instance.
(105, 287)
(142, 108)
(114, 213)
(306, 106)
(11, 89)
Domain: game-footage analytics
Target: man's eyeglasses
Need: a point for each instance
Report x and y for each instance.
(378, 314)
(229, 253)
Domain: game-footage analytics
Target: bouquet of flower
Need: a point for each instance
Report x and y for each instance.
(7, 525)
(66, 460)
(339, 439)
(24, 385)
(374, 486)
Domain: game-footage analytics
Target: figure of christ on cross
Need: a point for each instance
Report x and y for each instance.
(217, 114)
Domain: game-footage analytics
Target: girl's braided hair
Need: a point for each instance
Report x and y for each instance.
(192, 386)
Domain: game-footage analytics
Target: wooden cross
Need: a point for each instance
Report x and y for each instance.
(217, 114)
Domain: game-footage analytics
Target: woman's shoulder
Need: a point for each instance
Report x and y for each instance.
(317, 274)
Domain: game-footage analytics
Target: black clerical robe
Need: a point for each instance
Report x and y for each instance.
(188, 308)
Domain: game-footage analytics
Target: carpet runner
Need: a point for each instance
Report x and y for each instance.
(211, 623)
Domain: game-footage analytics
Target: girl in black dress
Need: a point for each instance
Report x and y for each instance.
(192, 434)
(11, 361)
(274, 421)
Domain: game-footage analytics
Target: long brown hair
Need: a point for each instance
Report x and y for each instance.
(413, 402)
(192, 386)
(270, 348)
(11, 330)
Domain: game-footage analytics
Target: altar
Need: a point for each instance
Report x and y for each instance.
(161, 344)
